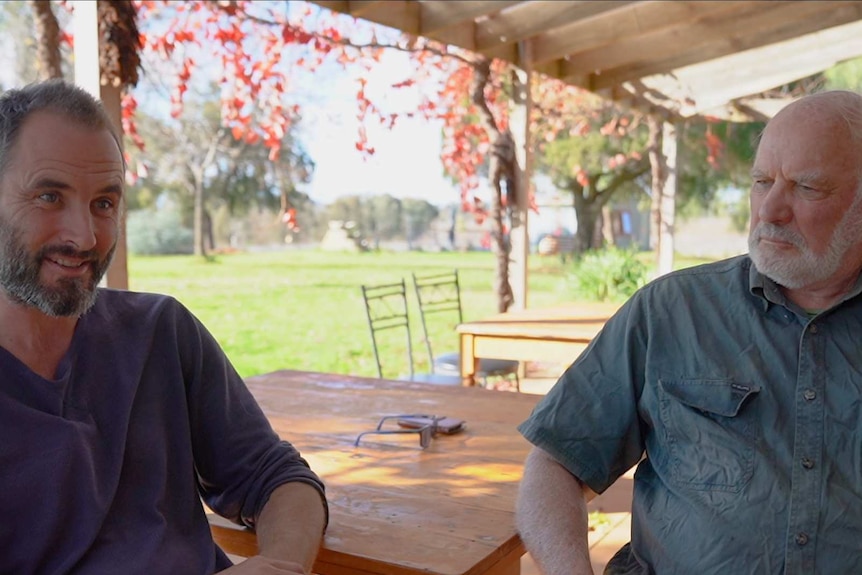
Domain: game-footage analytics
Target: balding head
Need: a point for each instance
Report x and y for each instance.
(839, 106)
(806, 206)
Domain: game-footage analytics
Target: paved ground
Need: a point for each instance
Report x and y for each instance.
(615, 503)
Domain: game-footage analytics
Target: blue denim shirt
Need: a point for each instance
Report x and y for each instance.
(744, 412)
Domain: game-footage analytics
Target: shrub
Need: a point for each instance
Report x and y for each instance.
(151, 232)
(611, 274)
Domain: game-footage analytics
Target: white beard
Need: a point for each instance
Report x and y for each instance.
(805, 268)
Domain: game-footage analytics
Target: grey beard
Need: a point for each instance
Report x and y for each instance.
(19, 276)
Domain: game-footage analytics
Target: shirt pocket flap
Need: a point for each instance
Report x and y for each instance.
(719, 396)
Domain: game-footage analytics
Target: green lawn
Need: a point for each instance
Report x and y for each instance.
(302, 309)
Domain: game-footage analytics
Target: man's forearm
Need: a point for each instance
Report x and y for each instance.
(551, 516)
(290, 526)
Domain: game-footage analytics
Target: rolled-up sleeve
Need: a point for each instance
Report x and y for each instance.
(589, 421)
(239, 459)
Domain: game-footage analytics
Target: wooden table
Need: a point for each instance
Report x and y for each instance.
(557, 334)
(396, 509)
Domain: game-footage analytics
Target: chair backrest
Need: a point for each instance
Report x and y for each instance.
(386, 308)
(437, 293)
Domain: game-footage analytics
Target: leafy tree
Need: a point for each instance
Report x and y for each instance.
(418, 215)
(847, 76)
(266, 50)
(34, 45)
(203, 167)
(152, 231)
(348, 209)
(380, 218)
(384, 217)
(593, 149)
(722, 165)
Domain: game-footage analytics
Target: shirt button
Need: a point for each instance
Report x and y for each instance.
(801, 539)
(813, 329)
(809, 394)
(807, 463)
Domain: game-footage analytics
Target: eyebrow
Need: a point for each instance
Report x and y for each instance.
(807, 177)
(810, 177)
(50, 183)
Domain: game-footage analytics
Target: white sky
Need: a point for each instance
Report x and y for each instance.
(406, 162)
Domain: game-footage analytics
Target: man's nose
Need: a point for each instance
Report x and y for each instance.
(775, 207)
(78, 228)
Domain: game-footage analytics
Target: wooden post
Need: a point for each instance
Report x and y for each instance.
(657, 175)
(520, 127)
(670, 154)
(88, 76)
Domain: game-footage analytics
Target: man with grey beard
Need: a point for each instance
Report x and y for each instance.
(119, 412)
(735, 387)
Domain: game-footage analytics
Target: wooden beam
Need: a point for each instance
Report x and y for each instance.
(437, 15)
(341, 6)
(455, 22)
(529, 19)
(629, 20)
(781, 21)
(402, 15)
(756, 71)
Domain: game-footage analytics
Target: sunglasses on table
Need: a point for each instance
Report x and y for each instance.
(426, 426)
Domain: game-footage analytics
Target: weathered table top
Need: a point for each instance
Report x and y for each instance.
(396, 508)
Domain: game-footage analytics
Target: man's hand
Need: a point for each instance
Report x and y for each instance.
(260, 565)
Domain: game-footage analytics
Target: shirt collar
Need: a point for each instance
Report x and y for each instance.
(763, 288)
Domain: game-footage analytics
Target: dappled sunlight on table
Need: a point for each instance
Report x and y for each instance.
(446, 509)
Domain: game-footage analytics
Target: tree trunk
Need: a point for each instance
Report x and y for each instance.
(200, 248)
(502, 169)
(47, 40)
(587, 214)
(209, 233)
(502, 287)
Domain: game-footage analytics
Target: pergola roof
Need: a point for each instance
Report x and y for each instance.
(688, 58)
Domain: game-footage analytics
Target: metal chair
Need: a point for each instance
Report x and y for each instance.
(386, 308)
(442, 293)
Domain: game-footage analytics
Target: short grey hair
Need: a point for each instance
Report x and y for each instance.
(58, 96)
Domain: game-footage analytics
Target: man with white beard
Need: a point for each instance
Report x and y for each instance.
(736, 387)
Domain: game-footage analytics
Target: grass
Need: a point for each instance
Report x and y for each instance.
(303, 309)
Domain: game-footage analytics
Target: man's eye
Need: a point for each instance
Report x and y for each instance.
(50, 197)
(104, 204)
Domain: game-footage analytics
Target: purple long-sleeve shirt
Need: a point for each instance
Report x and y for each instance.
(102, 469)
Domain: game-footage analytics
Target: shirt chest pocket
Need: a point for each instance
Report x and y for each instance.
(710, 432)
